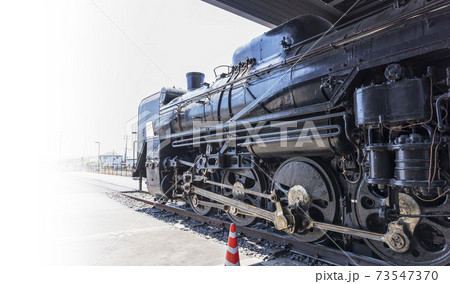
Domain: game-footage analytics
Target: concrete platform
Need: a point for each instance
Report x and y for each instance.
(80, 225)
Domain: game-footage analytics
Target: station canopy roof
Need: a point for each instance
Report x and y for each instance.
(272, 13)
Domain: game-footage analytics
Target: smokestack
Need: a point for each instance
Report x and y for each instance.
(194, 80)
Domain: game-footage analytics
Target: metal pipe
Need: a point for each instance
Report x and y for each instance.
(350, 231)
(134, 154)
(268, 117)
(211, 204)
(98, 156)
(186, 163)
(327, 127)
(423, 215)
(230, 93)
(328, 135)
(241, 206)
(441, 126)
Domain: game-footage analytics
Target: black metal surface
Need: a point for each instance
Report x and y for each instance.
(168, 94)
(139, 170)
(405, 162)
(412, 161)
(269, 44)
(194, 80)
(380, 103)
(381, 164)
(148, 110)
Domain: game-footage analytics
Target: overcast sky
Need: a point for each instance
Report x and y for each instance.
(97, 76)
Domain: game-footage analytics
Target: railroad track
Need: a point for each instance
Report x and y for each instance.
(318, 252)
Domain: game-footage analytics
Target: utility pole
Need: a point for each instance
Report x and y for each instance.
(98, 156)
(126, 144)
(134, 150)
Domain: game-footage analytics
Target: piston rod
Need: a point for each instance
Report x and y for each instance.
(211, 204)
(350, 231)
(268, 196)
(277, 217)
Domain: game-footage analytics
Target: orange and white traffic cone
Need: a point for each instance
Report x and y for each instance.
(232, 256)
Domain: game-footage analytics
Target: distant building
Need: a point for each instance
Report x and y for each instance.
(130, 162)
(110, 159)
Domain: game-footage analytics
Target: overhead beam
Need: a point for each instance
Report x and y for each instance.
(241, 13)
(273, 13)
(320, 5)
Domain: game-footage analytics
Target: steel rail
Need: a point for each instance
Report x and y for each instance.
(322, 253)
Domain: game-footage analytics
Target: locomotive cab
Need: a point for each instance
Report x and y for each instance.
(148, 112)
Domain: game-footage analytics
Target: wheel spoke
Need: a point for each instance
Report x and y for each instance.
(318, 192)
(430, 240)
(442, 209)
(308, 180)
(251, 181)
(371, 211)
(444, 229)
(201, 209)
(253, 200)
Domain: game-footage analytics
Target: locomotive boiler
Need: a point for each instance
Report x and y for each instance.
(327, 132)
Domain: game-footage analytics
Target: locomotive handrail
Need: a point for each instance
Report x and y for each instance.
(326, 135)
(140, 164)
(327, 127)
(223, 65)
(243, 123)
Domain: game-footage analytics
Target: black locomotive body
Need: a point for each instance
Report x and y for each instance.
(323, 131)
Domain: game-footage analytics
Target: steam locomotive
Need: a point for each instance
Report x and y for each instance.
(325, 132)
